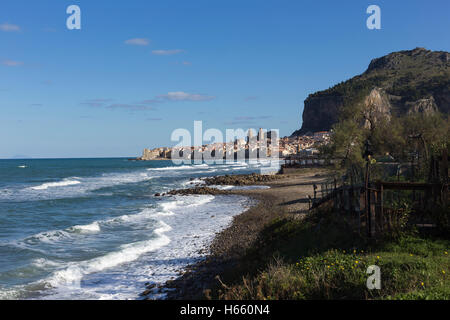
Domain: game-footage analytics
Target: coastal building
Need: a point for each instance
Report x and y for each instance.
(250, 135)
(251, 147)
(321, 136)
(260, 135)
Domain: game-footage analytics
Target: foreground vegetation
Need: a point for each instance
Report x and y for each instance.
(320, 257)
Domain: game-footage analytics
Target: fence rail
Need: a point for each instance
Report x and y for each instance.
(368, 204)
(374, 205)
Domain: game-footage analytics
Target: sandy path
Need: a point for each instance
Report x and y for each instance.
(291, 193)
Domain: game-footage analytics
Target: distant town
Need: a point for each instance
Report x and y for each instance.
(250, 146)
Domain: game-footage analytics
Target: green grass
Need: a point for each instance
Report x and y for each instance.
(322, 258)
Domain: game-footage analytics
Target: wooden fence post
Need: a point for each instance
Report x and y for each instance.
(367, 209)
(360, 201)
(445, 176)
(380, 207)
(352, 199)
(373, 214)
(346, 198)
(362, 209)
(315, 191)
(367, 198)
(336, 201)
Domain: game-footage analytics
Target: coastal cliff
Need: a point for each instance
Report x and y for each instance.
(155, 154)
(399, 83)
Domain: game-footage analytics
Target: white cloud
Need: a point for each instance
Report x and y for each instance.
(150, 102)
(184, 96)
(138, 41)
(100, 102)
(129, 106)
(167, 52)
(7, 27)
(12, 63)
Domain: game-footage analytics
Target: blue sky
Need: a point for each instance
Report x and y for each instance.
(139, 69)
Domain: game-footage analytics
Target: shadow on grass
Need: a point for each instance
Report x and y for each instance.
(322, 257)
(289, 240)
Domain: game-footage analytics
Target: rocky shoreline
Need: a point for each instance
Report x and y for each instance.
(241, 180)
(223, 254)
(206, 185)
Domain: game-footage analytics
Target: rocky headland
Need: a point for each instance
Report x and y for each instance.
(399, 83)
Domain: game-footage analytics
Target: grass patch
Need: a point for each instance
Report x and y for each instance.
(321, 257)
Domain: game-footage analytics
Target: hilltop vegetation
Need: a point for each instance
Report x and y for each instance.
(405, 77)
(405, 117)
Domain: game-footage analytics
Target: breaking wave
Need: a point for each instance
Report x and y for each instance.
(63, 183)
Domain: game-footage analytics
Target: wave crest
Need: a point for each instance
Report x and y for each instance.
(63, 183)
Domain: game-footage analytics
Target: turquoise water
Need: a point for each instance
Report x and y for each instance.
(93, 229)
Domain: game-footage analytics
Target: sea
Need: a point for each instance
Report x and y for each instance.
(93, 229)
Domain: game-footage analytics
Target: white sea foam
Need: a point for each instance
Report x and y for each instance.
(48, 237)
(127, 253)
(63, 183)
(220, 187)
(54, 236)
(73, 186)
(195, 201)
(185, 225)
(195, 229)
(193, 182)
(140, 217)
(112, 179)
(172, 168)
(92, 227)
(82, 186)
(167, 207)
(147, 214)
(226, 187)
(22, 167)
(45, 263)
(203, 165)
(9, 294)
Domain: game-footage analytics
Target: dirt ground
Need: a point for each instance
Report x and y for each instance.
(291, 193)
